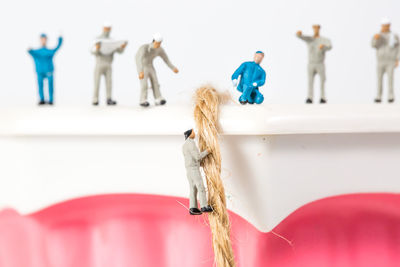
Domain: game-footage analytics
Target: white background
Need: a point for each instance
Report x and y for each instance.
(205, 39)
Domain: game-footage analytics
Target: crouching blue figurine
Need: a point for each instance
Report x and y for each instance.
(252, 76)
(43, 58)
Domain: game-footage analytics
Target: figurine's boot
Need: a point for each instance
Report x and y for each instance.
(195, 211)
(242, 100)
(144, 104)
(111, 102)
(207, 208)
(41, 102)
(309, 101)
(160, 101)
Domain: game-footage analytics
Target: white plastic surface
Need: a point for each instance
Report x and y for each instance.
(275, 158)
(172, 120)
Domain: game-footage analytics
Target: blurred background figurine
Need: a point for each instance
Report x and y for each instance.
(43, 58)
(252, 76)
(104, 51)
(317, 46)
(144, 63)
(193, 159)
(386, 44)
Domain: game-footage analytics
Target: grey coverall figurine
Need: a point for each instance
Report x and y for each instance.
(386, 44)
(144, 63)
(104, 66)
(317, 47)
(193, 159)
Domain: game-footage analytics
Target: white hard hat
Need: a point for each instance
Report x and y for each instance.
(385, 21)
(157, 37)
(107, 24)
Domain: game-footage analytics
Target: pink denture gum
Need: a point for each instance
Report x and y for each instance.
(358, 230)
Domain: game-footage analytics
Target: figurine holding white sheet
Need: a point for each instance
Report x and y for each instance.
(387, 48)
(104, 49)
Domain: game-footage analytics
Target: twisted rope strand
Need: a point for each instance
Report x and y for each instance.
(206, 114)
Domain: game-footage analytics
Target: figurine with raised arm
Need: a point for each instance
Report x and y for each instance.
(43, 58)
(387, 48)
(317, 47)
(104, 50)
(144, 63)
(252, 77)
(193, 159)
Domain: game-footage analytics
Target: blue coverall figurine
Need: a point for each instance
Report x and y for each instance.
(252, 76)
(43, 58)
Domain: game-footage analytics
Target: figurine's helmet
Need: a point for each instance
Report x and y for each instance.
(188, 133)
(107, 24)
(157, 37)
(385, 21)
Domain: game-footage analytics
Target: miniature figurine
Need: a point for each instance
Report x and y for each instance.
(317, 47)
(104, 50)
(252, 77)
(144, 63)
(386, 44)
(193, 159)
(43, 58)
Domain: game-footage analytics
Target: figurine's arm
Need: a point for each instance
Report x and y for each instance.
(204, 154)
(121, 49)
(197, 156)
(376, 41)
(397, 47)
(60, 41)
(238, 72)
(304, 38)
(96, 49)
(32, 52)
(260, 82)
(164, 56)
(327, 45)
(139, 57)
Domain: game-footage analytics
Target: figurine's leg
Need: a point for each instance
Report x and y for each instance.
(156, 88)
(201, 189)
(252, 97)
(40, 78)
(144, 88)
(322, 78)
(246, 93)
(390, 72)
(259, 98)
(97, 77)
(50, 83)
(311, 76)
(108, 75)
(380, 72)
(193, 192)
